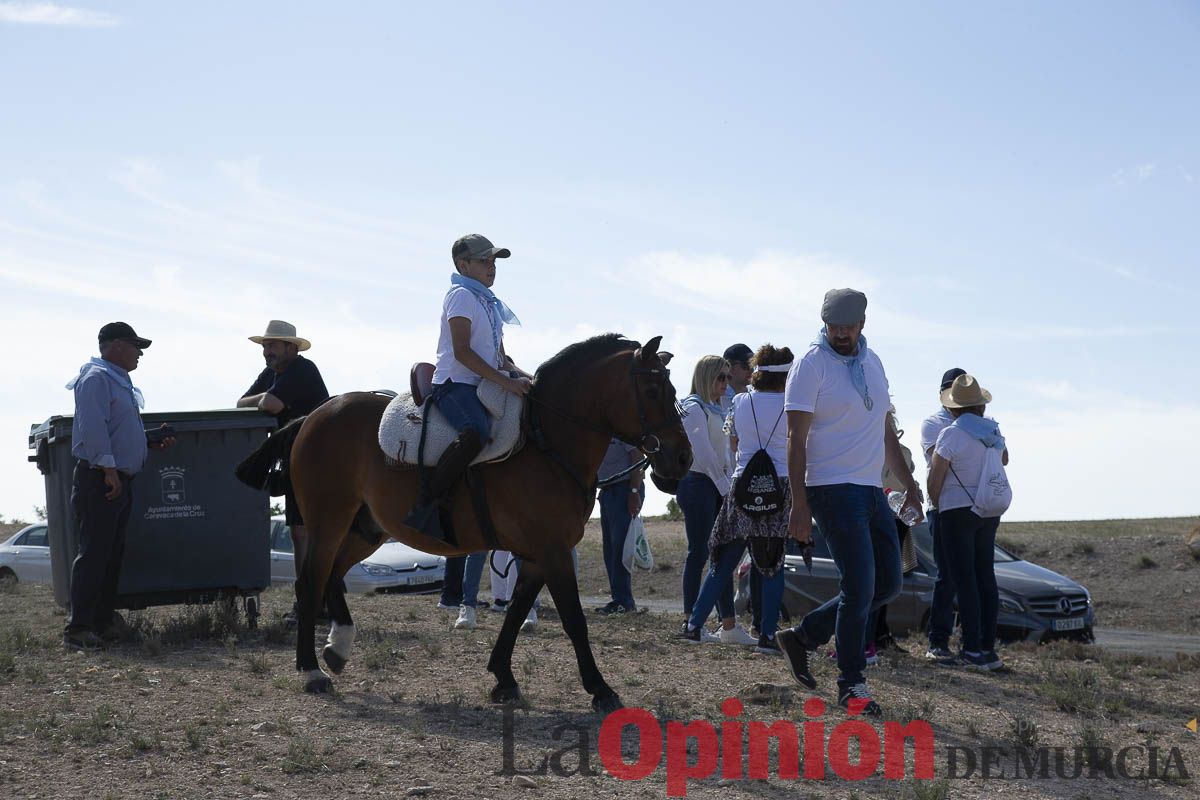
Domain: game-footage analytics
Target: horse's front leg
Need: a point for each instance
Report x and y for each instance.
(529, 583)
(559, 569)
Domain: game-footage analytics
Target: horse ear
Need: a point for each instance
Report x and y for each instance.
(650, 349)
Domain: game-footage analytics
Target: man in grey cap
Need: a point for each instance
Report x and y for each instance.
(840, 435)
(470, 348)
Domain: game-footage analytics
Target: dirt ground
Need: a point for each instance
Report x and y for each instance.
(195, 705)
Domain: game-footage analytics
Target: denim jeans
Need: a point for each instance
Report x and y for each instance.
(860, 530)
(941, 613)
(970, 541)
(614, 527)
(472, 575)
(459, 404)
(452, 583)
(101, 525)
(725, 561)
(700, 501)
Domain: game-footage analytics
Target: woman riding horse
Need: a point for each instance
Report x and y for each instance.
(539, 499)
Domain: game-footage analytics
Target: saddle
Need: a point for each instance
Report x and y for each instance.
(404, 418)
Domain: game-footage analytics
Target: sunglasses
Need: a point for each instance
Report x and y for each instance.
(723, 377)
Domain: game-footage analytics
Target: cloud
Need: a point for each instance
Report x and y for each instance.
(54, 14)
(1138, 173)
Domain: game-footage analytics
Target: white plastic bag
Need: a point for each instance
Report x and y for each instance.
(637, 547)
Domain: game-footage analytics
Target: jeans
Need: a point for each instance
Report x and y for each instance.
(614, 526)
(452, 583)
(725, 561)
(700, 501)
(472, 575)
(860, 530)
(970, 541)
(459, 404)
(101, 525)
(460, 587)
(941, 613)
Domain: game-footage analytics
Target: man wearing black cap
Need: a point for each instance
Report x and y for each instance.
(840, 435)
(738, 356)
(109, 445)
(941, 613)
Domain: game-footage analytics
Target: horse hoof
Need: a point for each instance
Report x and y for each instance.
(332, 660)
(506, 695)
(319, 685)
(606, 704)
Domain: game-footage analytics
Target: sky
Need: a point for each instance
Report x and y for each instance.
(1014, 185)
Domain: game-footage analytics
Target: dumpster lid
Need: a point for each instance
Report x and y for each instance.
(59, 426)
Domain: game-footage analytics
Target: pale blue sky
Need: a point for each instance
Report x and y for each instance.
(1015, 186)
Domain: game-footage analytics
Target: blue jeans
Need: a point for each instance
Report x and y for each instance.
(460, 587)
(700, 501)
(459, 404)
(941, 613)
(970, 541)
(614, 527)
(860, 530)
(725, 561)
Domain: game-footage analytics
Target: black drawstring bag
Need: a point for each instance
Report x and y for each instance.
(758, 491)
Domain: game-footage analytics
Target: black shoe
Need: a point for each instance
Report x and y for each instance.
(691, 636)
(615, 608)
(428, 520)
(768, 646)
(83, 640)
(938, 652)
(860, 696)
(796, 654)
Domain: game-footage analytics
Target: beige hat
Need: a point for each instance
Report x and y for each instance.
(965, 392)
(282, 331)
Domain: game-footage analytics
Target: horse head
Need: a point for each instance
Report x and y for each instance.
(655, 422)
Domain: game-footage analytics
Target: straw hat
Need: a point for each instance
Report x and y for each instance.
(281, 331)
(965, 392)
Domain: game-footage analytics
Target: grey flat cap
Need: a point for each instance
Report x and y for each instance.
(475, 246)
(844, 307)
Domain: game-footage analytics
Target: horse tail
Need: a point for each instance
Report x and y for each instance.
(256, 470)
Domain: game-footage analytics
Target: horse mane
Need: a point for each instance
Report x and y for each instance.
(574, 356)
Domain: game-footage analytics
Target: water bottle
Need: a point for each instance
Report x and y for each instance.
(909, 516)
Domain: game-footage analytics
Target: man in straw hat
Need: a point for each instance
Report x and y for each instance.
(289, 386)
(840, 435)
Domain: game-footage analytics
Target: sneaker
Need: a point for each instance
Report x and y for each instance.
(860, 695)
(444, 605)
(466, 618)
(767, 646)
(616, 608)
(737, 636)
(499, 606)
(83, 640)
(872, 655)
(994, 662)
(937, 652)
(530, 620)
(796, 653)
(692, 636)
(975, 661)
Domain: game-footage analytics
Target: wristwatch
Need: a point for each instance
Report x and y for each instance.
(633, 490)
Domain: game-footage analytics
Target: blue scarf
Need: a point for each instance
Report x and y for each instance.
(501, 313)
(981, 428)
(711, 408)
(120, 376)
(853, 363)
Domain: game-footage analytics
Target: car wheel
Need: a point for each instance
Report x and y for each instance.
(8, 578)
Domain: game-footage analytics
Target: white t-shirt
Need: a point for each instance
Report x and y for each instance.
(461, 302)
(965, 453)
(768, 406)
(845, 442)
(933, 425)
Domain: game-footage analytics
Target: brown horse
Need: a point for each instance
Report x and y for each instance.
(540, 498)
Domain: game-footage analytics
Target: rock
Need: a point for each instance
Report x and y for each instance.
(524, 782)
(767, 694)
(417, 791)
(392, 764)
(264, 727)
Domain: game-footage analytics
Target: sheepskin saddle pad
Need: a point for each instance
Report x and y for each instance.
(400, 428)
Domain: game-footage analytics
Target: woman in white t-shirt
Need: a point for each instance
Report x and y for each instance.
(701, 490)
(969, 540)
(757, 422)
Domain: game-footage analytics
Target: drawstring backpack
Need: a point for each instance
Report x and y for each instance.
(758, 491)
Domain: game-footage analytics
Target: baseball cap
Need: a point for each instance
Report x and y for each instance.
(948, 378)
(475, 246)
(122, 330)
(738, 352)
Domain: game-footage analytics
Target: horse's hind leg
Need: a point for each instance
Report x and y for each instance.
(560, 578)
(341, 627)
(529, 583)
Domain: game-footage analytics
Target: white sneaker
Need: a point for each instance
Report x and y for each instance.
(466, 618)
(707, 636)
(737, 635)
(530, 621)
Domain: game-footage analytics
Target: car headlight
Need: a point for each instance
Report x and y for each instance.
(1011, 605)
(377, 569)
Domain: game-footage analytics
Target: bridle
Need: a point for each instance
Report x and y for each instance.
(649, 442)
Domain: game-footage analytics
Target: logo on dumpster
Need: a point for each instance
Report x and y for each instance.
(172, 486)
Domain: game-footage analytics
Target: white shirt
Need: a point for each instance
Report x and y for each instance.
(845, 442)
(710, 447)
(767, 408)
(930, 428)
(965, 454)
(461, 302)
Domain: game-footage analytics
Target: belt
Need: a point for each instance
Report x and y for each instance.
(88, 465)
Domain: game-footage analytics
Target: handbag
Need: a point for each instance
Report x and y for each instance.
(637, 551)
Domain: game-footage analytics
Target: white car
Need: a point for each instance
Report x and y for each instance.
(26, 556)
(394, 567)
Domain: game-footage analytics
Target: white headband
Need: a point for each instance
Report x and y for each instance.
(773, 367)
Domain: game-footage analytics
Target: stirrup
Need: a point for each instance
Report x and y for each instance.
(428, 520)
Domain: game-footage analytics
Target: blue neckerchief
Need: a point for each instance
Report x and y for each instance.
(500, 313)
(712, 408)
(981, 428)
(854, 363)
(118, 375)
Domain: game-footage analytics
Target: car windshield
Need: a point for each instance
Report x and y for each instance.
(923, 539)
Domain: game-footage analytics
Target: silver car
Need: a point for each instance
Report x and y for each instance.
(26, 556)
(1036, 604)
(394, 567)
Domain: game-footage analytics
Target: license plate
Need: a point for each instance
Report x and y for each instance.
(1068, 624)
